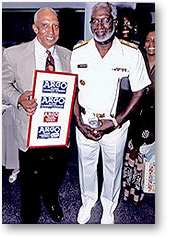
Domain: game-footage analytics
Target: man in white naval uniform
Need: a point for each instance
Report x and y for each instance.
(100, 63)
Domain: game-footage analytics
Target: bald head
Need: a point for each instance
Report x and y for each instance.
(43, 9)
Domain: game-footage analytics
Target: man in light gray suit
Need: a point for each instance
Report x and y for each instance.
(40, 168)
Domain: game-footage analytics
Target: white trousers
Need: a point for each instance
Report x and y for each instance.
(112, 147)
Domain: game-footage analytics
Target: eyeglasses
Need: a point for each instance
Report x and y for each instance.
(128, 24)
(104, 21)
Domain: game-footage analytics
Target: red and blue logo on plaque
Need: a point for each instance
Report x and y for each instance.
(49, 125)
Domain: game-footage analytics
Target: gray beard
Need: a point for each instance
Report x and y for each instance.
(107, 36)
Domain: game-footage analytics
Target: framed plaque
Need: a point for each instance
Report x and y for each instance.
(50, 124)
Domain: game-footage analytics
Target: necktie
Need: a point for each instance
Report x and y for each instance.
(50, 65)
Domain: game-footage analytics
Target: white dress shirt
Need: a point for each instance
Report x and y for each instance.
(41, 56)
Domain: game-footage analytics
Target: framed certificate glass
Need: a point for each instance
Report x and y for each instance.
(49, 125)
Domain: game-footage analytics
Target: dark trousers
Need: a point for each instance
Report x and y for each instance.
(42, 172)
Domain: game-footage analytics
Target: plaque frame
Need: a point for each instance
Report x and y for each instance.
(49, 126)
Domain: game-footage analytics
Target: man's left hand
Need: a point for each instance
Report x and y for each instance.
(106, 126)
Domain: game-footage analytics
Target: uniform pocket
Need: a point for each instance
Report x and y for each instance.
(125, 84)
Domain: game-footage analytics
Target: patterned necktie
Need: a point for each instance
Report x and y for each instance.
(50, 65)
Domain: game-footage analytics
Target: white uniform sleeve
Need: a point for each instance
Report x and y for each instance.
(138, 77)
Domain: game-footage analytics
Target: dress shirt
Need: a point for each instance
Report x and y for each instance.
(41, 56)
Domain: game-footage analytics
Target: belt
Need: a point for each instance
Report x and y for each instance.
(98, 115)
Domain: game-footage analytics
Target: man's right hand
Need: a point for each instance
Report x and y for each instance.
(28, 104)
(87, 132)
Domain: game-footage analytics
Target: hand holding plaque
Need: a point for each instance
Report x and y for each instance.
(49, 126)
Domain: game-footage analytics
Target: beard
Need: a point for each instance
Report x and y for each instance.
(105, 36)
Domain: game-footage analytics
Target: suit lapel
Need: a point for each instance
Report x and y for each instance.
(29, 53)
(63, 59)
(29, 63)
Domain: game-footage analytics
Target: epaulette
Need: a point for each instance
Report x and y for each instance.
(129, 44)
(80, 44)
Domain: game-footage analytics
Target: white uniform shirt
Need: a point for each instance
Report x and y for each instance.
(98, 77)
(41, 56)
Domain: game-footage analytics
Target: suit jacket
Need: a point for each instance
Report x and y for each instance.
(17, 77)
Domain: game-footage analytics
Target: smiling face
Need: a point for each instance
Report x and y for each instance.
(102, 24)
(150, 43)
(47, 28)
(127, 27)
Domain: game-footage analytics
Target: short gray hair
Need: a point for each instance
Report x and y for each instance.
(113, 10)
(41, 9)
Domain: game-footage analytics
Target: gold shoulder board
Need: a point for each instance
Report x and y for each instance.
(129, 44)
(80, 44)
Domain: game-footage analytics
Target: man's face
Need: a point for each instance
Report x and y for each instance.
(127, 27)
(102, 24)
(47, 28)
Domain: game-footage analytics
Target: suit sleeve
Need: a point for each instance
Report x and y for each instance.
(9, 91)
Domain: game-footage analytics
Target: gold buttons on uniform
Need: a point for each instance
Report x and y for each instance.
(82, 82)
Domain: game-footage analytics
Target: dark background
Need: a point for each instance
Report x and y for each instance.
(17, 24)
(17, 27)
